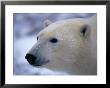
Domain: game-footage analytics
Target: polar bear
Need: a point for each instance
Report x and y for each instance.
(68, 46)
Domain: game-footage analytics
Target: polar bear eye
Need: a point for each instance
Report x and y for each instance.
(37, 38)
(53, 40)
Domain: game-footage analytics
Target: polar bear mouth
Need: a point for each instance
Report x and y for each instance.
(40, 62)
(34, 61)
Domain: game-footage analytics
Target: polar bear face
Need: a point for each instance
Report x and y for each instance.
(66, 46)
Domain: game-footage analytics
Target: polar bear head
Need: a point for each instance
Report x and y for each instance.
(69, 46)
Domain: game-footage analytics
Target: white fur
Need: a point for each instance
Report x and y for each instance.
(73, 54)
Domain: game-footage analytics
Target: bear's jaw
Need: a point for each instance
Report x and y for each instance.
(72, 69)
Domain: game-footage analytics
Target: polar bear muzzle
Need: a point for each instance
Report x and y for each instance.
(33, 60)
(30, 58)
(34, 57)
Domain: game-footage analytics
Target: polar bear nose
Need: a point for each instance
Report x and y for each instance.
(30, 58)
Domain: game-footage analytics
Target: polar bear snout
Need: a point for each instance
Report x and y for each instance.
(30, 58)
(35, 61)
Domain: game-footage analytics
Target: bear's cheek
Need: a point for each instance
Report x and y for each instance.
(50, 51)
(45, 52)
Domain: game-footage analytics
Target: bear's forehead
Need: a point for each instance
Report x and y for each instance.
(62, 27)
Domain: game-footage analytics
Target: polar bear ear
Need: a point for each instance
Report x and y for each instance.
(84, 31)
(46, 23)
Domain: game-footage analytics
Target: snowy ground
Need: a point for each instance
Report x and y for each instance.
(26, 26)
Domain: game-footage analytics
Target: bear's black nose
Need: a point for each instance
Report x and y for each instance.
(30, 58)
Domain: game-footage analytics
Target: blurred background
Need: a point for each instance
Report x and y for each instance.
(26, 26)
